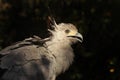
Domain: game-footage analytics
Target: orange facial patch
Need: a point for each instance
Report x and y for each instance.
(72, 33)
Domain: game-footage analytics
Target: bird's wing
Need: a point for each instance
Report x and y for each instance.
(28, 62)
(28, 41)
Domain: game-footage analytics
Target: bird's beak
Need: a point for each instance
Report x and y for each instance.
(79, 37)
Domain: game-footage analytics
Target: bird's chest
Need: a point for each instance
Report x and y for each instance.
(62, 58)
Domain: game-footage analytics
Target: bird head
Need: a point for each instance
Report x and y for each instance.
(65, 32)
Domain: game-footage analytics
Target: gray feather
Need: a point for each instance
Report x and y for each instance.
(39, 59)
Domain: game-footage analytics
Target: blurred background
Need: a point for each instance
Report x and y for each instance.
(97, 58)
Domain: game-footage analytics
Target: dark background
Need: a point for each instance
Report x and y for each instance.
(97, 58)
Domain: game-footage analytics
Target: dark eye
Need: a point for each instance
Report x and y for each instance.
(67, 31)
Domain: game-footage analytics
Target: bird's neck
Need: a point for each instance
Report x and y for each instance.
(63, 55)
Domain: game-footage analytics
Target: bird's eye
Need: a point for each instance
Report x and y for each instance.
(67, 31)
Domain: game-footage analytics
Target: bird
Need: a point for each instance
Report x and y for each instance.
(35, 58)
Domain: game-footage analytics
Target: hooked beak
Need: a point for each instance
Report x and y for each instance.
(78, 36)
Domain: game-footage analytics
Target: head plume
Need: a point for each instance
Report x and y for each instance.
(52, 24)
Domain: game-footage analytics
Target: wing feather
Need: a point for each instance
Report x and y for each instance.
(26, 62)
